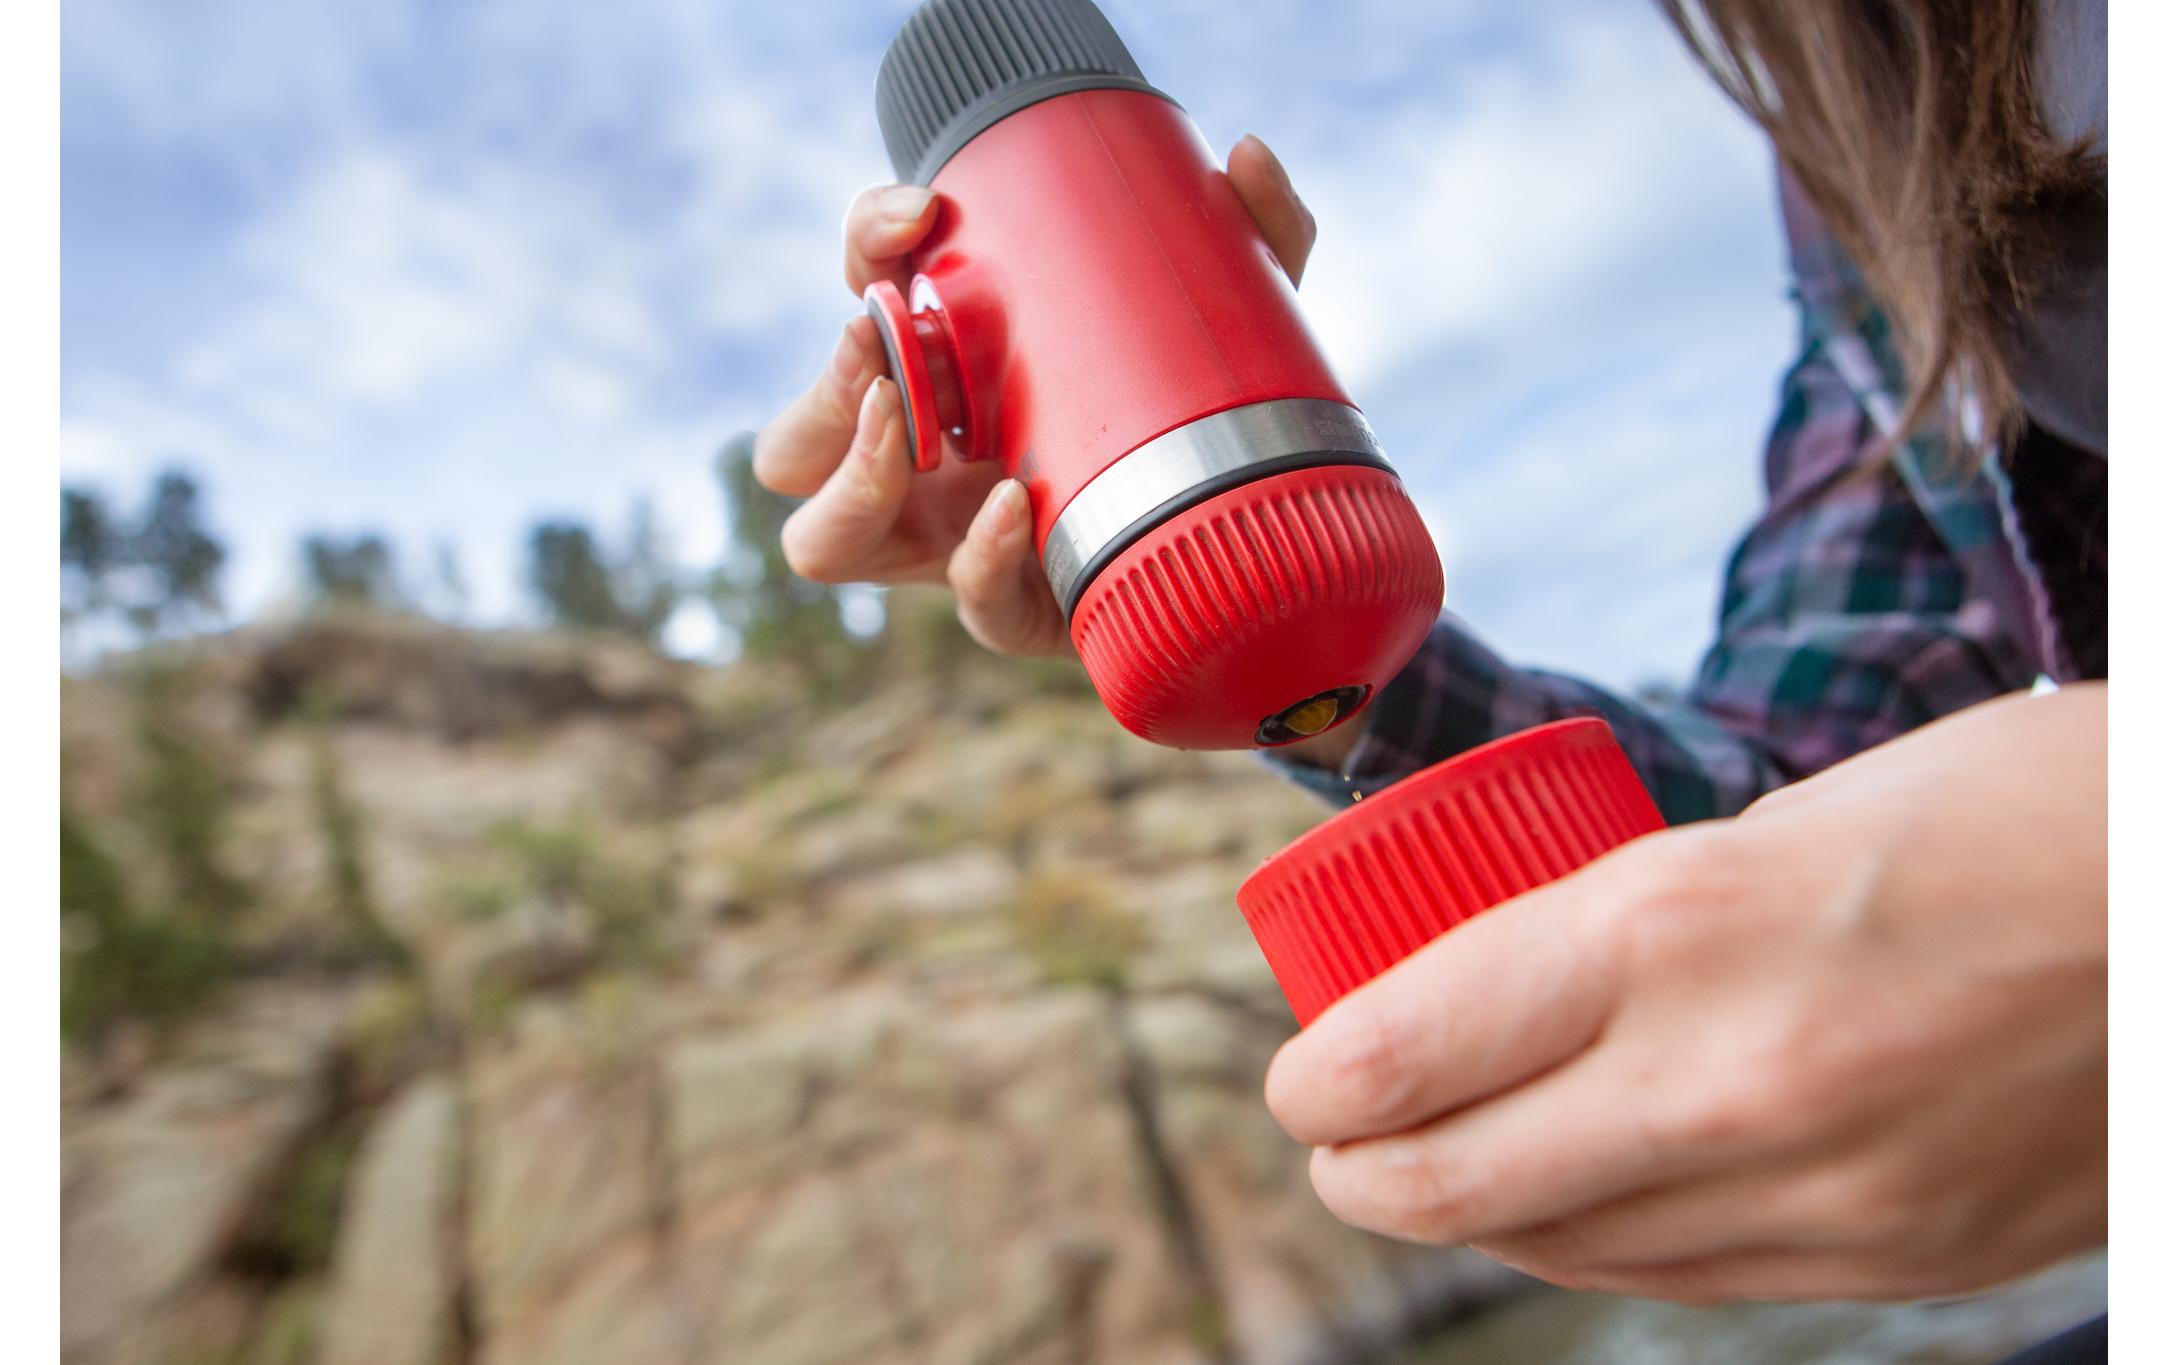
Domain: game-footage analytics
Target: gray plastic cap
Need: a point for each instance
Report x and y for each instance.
(961, 66)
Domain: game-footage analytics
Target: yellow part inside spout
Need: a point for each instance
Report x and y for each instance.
(1313, 717)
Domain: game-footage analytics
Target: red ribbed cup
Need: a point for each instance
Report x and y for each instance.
(1386, 876)
(1234, 610)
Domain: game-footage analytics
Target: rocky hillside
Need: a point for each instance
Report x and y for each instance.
(438, 997)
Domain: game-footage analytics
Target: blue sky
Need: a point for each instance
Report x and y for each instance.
(442, 269)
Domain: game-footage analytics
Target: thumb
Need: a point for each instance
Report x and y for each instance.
(1504, 997)
(1262, 184)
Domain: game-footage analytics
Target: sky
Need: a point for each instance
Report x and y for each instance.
(442, 270)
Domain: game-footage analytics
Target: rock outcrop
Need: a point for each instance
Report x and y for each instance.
(920, 1029)
(587, 1008)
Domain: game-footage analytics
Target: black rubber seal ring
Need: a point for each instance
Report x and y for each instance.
(1200, 492)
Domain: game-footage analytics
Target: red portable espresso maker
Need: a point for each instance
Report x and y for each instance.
(1095, 309)
(1240, 566)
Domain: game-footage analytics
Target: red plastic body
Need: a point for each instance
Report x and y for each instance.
(1100, 284)
(1388, 875)
(1091, 282)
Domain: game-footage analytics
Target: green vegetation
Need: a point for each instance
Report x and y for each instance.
(1075, 930)
(156, 945)
(153, 935)
(391, 1034)
(303, 1221)
(582, 586)
(478, 895)
(154, 908)
(564, 866)
(352, 571)
(923, 638)
(116, 962)
(158, 571)
(775, 613)
(91, 549)
(627, 902)
(181, 801)
(361, 933)
(287, 1333)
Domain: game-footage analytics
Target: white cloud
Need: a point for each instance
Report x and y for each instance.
(203, 74)
(522, 260)
(469, 309)
(1554, 286)
(1550, 174)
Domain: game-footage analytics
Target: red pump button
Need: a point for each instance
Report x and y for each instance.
(922, 361)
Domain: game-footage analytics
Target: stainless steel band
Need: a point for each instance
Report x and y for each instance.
(1193, 462)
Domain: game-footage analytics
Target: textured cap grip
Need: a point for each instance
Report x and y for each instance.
(1236, 608)
(960, 66)
(1385, 877)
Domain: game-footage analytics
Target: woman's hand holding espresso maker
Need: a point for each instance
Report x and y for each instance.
(868, 516)
(1850, 1045)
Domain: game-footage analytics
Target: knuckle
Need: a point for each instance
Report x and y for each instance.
(1667, 887)
(1895, 1213)
(969, 580)
(1405, 1196)
(1364, 1065)
(1419, 1205)
(768, 462)
(863, 485)
(838, 403)
(1734, 1111)
(1287, 1092)
(1873, 1208)
(808, 561)
(858, 227)
(859, 216)
(1820, 1082)
(963, 577)
(778, 466)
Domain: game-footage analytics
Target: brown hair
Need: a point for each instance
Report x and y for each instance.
(1914, 125)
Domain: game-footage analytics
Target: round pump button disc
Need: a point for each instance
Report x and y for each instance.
(1311, 716)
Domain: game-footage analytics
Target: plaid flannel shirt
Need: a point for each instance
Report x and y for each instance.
(1871, 595)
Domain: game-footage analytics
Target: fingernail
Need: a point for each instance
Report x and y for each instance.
(1006, 509)
(850, 357)
(880, 403)
(905, 204)
(876, 415)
